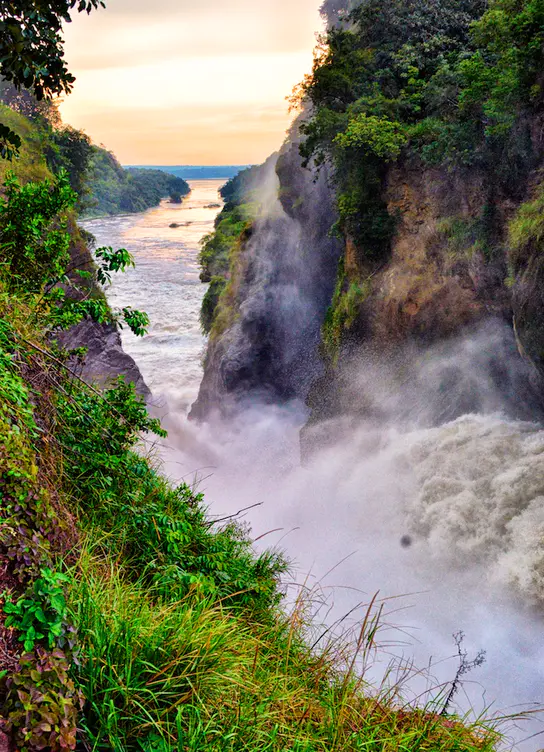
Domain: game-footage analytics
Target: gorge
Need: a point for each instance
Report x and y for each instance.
(440, 515)
(335, 540)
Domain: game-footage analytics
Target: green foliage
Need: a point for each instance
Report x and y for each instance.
(39, 702)
(216, 248)
(43, 703)
(190, 676)
(41, 614)
(30, 35)
(450, 144)
(137, 321)
(240, 189)
(160, 530)
(70, 150)
(34, 252)
(210, 301)
(15, 404)
(10, 143)
(33, 247)
(526, 231)
(219, 249)
(503, 77)
(32, 52)
(343, 312)
(112, 261)
(31, 164)
(469, 236)
(23, 101)
(449, 82)
(114, 190)
(378, 136)
(526, 274)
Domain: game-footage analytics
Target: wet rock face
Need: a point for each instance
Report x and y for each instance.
(284, 279)
(528, 307)
(417, 386)
(105, 359)
(444, 278)
(438, 288)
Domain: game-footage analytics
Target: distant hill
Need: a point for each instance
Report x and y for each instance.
(198, 172)
(112, 189)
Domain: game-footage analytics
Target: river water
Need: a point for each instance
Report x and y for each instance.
(165, 283)
(468, 496)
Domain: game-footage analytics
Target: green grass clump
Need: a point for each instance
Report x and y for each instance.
(343, 312)
(467, 236)
(526, 230)
(210, 302)
(192, 675)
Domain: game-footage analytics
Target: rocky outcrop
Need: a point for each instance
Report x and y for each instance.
(447, 283)
(264, 343)
(446, 277)
(105, 359)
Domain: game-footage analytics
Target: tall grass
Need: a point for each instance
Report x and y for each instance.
(193, 675)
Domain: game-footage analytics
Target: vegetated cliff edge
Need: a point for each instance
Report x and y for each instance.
(105, 358)
(271, 265)
(430, 120)
(130, 620)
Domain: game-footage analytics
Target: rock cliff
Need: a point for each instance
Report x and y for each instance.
(264, 340)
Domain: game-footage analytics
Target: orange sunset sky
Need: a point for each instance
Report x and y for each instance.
(188, 81)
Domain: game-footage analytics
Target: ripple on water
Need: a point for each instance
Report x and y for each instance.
(166, 284)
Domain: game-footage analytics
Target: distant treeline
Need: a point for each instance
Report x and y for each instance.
(115, 190)
(198, 172)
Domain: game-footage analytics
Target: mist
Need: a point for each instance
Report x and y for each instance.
(443, 519)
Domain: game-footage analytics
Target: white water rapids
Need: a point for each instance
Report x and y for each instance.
(466, 499)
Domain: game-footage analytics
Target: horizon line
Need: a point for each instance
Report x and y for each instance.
(155, 164)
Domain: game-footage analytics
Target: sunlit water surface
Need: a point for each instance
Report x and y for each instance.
(166, 285)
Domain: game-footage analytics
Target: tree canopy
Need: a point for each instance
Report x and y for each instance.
(32, 51)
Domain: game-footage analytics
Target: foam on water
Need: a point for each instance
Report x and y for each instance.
(480, 499)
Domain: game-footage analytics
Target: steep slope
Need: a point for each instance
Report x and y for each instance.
(105, 359)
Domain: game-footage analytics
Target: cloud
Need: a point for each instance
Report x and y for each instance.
(130, 32)
(148, 72)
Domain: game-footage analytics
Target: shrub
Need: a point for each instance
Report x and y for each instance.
(380, 137)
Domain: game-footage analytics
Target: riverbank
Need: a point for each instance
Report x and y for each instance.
(166, 284)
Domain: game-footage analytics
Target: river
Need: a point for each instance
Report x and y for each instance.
(165, 283)
(472, 490)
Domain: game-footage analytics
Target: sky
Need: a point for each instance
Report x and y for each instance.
(188, 81)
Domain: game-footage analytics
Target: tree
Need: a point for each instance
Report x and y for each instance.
(33, 51)
(35, 258)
